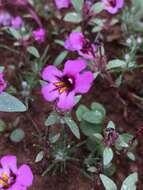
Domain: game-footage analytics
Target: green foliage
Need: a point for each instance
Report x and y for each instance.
(73, 17)
(107, 156)
(33, 51)
(116, 64)
(108, 183)
(2, 125)
(80, 111)
(60, 58)
(39, 156)
(52, 119)
(130, 182)
(73, 126)
(78, 5)
(17, 135)
(9, 103)
(91, 120)
(132, 17)
(97, 7)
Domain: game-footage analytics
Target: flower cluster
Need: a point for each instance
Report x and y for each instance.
(6, 19)
(2, 83)
(63, 86)
(13, 178)
(77, 42)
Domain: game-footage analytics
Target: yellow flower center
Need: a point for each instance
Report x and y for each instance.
(66, 84)
(4, 181)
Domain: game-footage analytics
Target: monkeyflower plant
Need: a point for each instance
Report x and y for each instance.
(63, 86)
(12, 177)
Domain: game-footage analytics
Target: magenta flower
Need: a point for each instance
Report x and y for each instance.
(39, 35)
(17, 22)
(63, 86)
(77, 42)
(5, 18)
(13, 178)
(2, 83)
(113, 6)
(62, 3)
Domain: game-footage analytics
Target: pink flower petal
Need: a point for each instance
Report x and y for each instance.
(62, 3)
(83, 82)
(66, 101)
(120, 3)
(49, 92)
(73, 67)
(50, 73)
(17, 186)
(75, 41)
(9, 162)
(24, 176)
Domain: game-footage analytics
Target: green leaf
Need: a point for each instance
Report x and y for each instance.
(107, 156)
(89, 129)
(116, 63)
(123, 140)
(60, 42)
(80, 111)
(2, 125)
(60, 58)
(77, 98)
(9, 103)
(15, 33)
(97, 106)
(1, 69)
(53, 137)
(95, 145)
(97, 7)
(131, 156)
(96, 74)
(108, 183)
(77, 4)
(17, 135)
(130, 182)
(73, 126)
(39, 156)
(111, 125)
(94, 117)
(121, 143)
(52, 119)
(33, 51)
(73, 17)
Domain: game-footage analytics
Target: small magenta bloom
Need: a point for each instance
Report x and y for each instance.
(17, 22)
(2, 83)
(5, 18)
(63, 86)
(77, 42)
(13, 178)
(113, 6)
(62, 3)
(39, 35)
